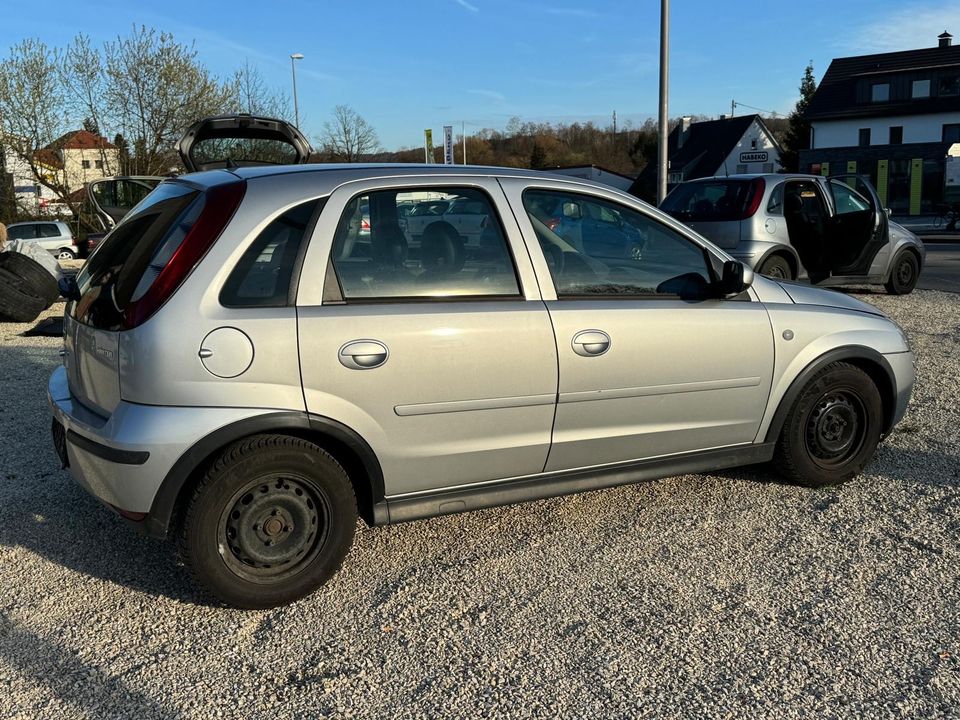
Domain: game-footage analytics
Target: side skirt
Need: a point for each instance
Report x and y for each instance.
(548, 485)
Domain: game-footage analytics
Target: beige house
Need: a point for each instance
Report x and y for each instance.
(80, 157)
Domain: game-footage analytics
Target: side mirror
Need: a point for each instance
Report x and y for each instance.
(736, 278)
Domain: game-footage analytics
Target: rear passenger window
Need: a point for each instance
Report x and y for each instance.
(449, 244)
(49, 230)
(262, 276)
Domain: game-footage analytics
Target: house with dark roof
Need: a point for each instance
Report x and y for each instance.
(728, 146)
(892, 117)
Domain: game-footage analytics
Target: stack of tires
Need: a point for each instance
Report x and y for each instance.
(26, 288)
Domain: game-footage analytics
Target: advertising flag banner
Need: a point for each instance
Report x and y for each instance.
(428, 145)
(448, 144)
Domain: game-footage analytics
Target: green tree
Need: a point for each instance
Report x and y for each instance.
(797, 137)
(538, 156)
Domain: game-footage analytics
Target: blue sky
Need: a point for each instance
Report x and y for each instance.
(425, 63)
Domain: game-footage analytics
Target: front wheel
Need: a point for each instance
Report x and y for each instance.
(270, 522)
(833, 428)
(904, 274)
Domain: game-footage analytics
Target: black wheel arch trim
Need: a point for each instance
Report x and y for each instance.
(848, 353)
(303, 424)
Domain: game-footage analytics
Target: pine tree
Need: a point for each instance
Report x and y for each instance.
(797, 137)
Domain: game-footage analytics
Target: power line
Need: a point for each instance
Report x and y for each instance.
(734, 105)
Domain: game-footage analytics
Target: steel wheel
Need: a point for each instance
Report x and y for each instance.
(274, 527)
(835, 428)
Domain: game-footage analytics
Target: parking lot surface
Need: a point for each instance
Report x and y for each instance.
(725, 595)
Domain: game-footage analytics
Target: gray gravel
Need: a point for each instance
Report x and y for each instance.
(725, 595)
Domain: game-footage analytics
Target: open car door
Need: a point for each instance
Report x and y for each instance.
(858, 228)
(232, 141)
(112, 198)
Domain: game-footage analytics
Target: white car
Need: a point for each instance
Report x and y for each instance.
(53, 236)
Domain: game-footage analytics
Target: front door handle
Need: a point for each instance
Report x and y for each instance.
(590, 343)
(363, 354)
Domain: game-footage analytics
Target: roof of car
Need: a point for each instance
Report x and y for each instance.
(36, 222)
(380, 169)
(751, 176)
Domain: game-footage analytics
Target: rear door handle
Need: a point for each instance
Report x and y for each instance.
(363, 354)
(590, 343)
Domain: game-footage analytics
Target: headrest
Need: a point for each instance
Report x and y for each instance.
(441, 249)
(388, 245)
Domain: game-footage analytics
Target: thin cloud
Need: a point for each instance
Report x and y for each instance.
(490, 94)
(916, 26)
(468, 6)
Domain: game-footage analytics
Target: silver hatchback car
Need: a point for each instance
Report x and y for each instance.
(833, 230)
(242, 373)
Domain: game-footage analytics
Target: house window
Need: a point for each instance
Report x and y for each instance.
(896, 135)
(949, 86)
(864, 137)
(674, 178)
(880, 92)
(85, 164)
(741, 169)
(920, 89)
(768, 167)
(951, 133)
(98, 164)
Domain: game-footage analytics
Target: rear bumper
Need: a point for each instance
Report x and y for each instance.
(122, 460)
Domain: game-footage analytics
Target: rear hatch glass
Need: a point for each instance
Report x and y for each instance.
(124, 265)
(709, 201)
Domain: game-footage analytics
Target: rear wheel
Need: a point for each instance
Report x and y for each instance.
(776, 267)
(833, 428)
(270, 522)
(904, 274)
(65, 254)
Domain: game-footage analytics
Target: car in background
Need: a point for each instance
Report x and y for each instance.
(54, 236)
(598, 230)
(833, 229)
(415, 220)
(240, 373)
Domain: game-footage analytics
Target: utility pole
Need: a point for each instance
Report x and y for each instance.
(463, 136)
(664, 120)
(614, 124)
(733, 108)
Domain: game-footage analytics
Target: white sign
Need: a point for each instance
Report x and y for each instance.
(751, 157)
(448, 144)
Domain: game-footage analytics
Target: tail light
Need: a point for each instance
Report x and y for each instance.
(754, 196)
(221, 202)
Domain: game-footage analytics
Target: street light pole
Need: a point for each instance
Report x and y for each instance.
(293, 71)
(664, 120)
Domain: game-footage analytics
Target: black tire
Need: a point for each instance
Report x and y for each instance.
(776, 267)
(904, 274)
(284, 512)
(833, 428)
(18, 300)
(66, 253)
(43, 284)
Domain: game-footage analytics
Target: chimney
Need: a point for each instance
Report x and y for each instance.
(684, 131)
(945, 38)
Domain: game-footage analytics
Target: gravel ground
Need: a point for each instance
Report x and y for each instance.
(725, 595)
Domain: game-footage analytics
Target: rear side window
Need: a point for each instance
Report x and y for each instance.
(124, 265)
(262, 277)
(22, 232)
(48, 230)
(717, 200)
(381, 253)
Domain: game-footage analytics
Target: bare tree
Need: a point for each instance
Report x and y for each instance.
(256, 98)
(347, 136)
(32, 111)
(154, 89)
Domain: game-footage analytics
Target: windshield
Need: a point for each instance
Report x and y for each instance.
(708, 200)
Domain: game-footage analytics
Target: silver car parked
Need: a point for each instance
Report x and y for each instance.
(242, 374)
(54, 236)
(832, 230)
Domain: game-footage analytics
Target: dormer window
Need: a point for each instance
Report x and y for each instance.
(920, 89)
(949, 86)
(880, 92)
